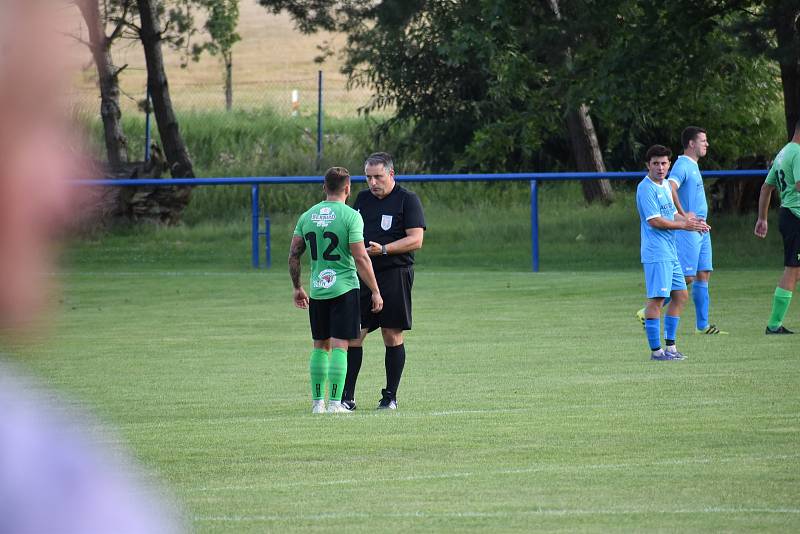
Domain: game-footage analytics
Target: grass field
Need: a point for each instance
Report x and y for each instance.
(528, 404)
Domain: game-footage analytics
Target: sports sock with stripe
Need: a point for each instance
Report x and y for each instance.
(318, 369)
(780, 304)
(671, 327)
(337, 370)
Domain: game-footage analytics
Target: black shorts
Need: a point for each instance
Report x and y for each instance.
(395, 285)
(337, 317)
(789, 225)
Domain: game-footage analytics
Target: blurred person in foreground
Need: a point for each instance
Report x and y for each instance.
(54, 478)
(785, 177)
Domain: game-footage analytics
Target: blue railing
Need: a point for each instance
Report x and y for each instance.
(533, 177)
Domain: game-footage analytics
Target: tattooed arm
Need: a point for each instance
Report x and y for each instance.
(296, 250)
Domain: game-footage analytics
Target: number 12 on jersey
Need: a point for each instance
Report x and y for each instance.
(328, 255)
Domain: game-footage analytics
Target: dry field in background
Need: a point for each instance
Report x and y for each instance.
(271, 60)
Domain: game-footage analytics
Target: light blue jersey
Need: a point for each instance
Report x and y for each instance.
(691, 193)
(653, 200)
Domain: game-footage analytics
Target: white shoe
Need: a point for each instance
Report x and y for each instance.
(337, 407)
(318, 406)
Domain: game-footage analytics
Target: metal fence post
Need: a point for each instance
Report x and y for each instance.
(256, 215)
(147, 126)
(319, 120)
(267, 241)
(535, 226)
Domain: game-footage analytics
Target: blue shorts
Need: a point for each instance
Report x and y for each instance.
(694, 251)
(662, 278)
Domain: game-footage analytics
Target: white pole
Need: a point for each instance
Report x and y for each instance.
(295, 102)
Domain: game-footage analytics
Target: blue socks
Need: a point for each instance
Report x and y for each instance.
(700, 298)
(670, 327)
(652, 328)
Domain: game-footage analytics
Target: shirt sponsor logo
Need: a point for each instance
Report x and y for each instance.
(324, 217)
(386, 222)
(325, 279)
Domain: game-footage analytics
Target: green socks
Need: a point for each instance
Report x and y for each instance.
(337, 371)
(318, 369)
(322, 369)
(780, 304)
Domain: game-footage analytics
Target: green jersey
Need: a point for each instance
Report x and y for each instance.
(784, 175)
(328, 229)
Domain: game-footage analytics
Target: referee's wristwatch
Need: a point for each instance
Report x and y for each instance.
(384, 252)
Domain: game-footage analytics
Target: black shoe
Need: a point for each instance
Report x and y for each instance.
(780, 330)
(349, 404)
(387, 402)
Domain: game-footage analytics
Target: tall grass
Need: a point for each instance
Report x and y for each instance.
(481, 235)
(266, 143)
(471, 225)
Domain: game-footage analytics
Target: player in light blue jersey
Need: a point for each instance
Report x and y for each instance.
(663, 276)
(694, 248)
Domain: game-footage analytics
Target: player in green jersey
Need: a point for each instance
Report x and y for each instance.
(334, 233)
(785, 177)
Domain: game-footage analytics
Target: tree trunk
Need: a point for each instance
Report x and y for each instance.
(100, 45)
(180, 165)
(228, 58)
(583, 140)
(588, 158)
(786, 21)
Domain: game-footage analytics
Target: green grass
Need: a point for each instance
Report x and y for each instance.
(528, 404)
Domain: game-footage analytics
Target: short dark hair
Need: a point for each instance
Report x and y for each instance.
(380, 158)
(689, 134)
(336, 178)
(797, 126)
(657, 151)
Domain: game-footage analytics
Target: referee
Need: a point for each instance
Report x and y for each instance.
(393, 229)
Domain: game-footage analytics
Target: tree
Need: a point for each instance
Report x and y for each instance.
(151, 34)
(772, 30)
(486, 85)
(223, 16)
(583, 138)
(99, 44)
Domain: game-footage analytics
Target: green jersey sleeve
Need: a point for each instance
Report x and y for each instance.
(298, 228)
(773, 171)
(356, 232)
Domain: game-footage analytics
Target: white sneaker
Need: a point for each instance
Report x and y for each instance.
(337, 407)
(318, 406)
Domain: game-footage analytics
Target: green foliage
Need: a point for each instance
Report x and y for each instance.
(223, 16)
(486, 84)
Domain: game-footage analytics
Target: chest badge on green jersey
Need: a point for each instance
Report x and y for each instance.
(325, 279)
(324, 217)
(386, 222)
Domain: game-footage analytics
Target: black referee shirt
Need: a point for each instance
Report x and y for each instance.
(386, 220)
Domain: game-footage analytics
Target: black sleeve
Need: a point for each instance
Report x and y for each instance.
(357, 202)
(412, 212)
